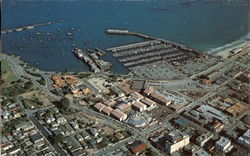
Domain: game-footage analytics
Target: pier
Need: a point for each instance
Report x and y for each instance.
(30, 26)
(153, 50)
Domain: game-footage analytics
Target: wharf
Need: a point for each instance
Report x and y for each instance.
(92, 60)
(30, 26)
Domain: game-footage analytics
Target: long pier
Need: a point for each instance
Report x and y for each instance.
(30, 26)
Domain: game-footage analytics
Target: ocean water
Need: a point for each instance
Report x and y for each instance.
(200, 24)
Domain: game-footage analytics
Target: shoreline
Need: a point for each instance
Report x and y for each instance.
(231, 45)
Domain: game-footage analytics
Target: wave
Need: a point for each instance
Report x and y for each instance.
(229, 45)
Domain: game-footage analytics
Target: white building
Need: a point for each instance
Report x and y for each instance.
(201, 152)
(223, 144)
(176, 140)
(202, 139)
(245, 139)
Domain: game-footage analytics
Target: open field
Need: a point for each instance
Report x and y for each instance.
(6, 74)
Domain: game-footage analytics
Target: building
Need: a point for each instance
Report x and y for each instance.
(110, 102)
(176, 140)
(136, 96)
(209, 112)
(203, 138)
(237, 109)
(137, 84)
(61, 120)
(94, 132)
(99, 106)
(14, 150)
(216, 126)
(139, 148)
(160, 98)
(79, 137)
(107, 110)
(117, 91)
(36, 138)
(123, 106)
(201, 152)
(181, 122)
(245, 139)
(139, 106)
(223, 144)
(119, 136)
(6, 146)
(148, 91)
(121, 116)
(149, 103)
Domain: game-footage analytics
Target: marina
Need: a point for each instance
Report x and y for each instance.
(151, 51)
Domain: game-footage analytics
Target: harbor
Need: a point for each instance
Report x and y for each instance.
(29, 27)
(151, 51)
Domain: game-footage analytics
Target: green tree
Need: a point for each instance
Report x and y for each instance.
(65, 103)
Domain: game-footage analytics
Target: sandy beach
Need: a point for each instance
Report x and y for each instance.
(225, 52)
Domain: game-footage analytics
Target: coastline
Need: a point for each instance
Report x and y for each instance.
(225, 49)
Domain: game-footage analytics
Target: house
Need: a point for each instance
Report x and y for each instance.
(94, 132)
(69, 128)
(119, 136)
(98, 140)
(6, 146)
(61, 120)
(74, 125)
(79, 137)
(223, 144)
(5, 114)
(119, 115)
(139, 149)
(14, 150)
(176, 140)
(28, 127)
(85, 135)
(50, 119)
(36, 138)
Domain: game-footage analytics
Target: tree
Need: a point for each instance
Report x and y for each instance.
(65, 103)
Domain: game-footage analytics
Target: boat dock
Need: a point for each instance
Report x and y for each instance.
(152, 50)
(30, 26)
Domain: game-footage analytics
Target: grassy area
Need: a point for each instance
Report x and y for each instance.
(6, 74)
